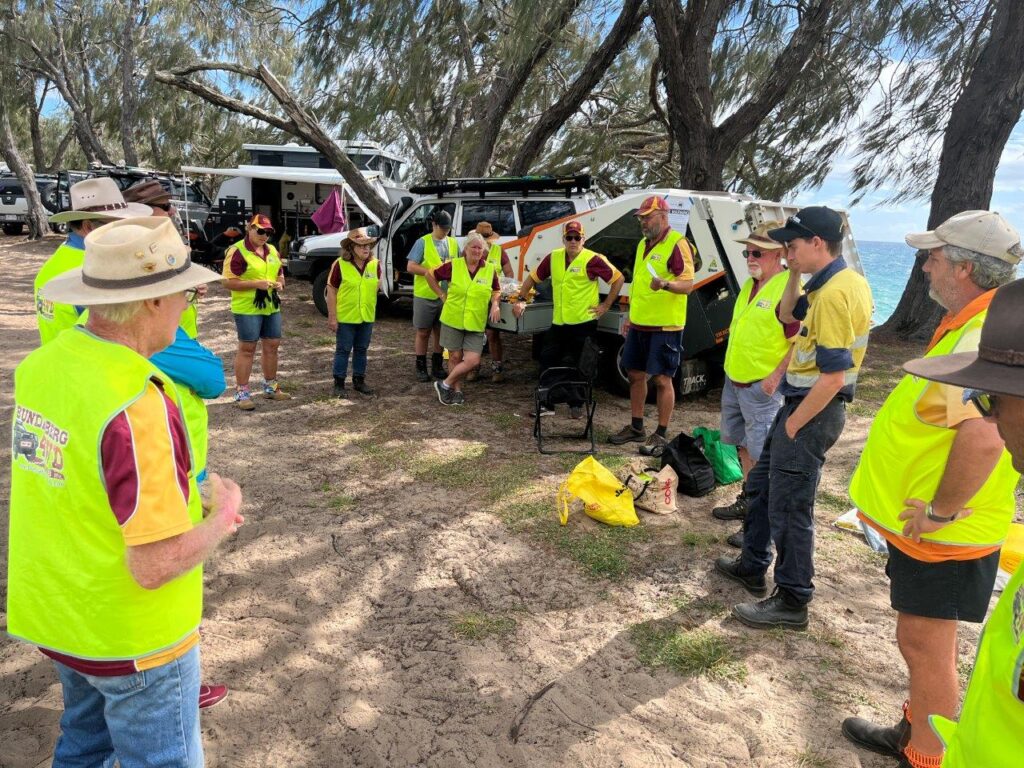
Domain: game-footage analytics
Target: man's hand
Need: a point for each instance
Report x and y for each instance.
(226, 501)
(262, 285)
(791, 428)
(769, 385)
(332, 324)
(443, 297)
(518, 309)
(202, 290)
(495, 312)
(625, 328)
(598, 311)
(917, 522)
(657, 283)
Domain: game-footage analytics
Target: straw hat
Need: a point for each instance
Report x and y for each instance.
(148, 191)
(360, 236)
(485, 230)
(759, 237)
(129, 260)
(99, 198)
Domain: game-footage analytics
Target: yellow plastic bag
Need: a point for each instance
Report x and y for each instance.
(604, 496)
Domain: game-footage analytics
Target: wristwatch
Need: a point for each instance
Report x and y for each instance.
(929, 512)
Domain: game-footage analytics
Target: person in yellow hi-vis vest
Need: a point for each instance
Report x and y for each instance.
(756, 358)
(103, 449)
(352, 307)
(252, 272)
(428, 253)
(470, 300)
(990, 731)
(574, 272)
(929, 458)
(495, 344)
(93, 203)
(662, 279)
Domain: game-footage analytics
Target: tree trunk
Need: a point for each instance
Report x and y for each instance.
(37, 215)
(509, 83)
(58, 156)
(34, 127)
(129, 90)
(626, 26)
(980, 124)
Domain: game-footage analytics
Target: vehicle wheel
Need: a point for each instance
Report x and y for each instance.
(320, 292)
(615, 375)
(59, 229)
(14, 229)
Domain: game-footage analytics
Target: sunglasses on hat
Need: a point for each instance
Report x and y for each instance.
(983, 401)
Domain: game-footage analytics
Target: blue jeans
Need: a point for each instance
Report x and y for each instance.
(147, 719)
(354, 339)
(780, 499)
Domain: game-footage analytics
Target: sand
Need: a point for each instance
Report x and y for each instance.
(400, 594)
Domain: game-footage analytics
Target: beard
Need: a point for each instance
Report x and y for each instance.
(755, 271)
(936, 298)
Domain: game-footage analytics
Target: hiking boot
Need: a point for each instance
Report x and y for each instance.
(272, 391)
(628, 434)
(437, 367)
(735, 511)
(735, 539)
(243, 399)
(889, 741)
(359, 385)
(421, 371)
(575, 411)
(211, 694)
(445, 395)
(654, 446)
(473, 375)
(498, 374)
(460, 399)
(753, 583)
(772, 612)
(339, 387)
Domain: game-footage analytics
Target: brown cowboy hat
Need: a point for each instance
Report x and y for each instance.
(998, 365)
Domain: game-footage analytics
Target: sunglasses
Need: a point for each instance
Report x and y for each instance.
(192, 295)
(984, 402)
(749, 254)
(573, 238)
(261, 231)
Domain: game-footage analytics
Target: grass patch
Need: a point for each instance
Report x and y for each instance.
(324, 341)
(832, 501)
(685, 652)
(692, 612)
(387, 455)
(455, 470)
(699, 539)
(603, 553)
(510, 476)
(506, 422)
(344, 501)
(480, 626)
(522, 514)
(811, 758)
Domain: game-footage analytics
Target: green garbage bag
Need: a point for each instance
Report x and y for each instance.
(724, 459)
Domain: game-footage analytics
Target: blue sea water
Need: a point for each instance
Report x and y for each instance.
(887, 267)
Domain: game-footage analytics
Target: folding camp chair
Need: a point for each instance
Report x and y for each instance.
(561, 385)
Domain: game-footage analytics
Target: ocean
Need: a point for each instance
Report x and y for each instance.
(887, 267)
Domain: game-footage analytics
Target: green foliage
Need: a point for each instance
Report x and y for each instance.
(603, 553)
(685, 652)
(481, 626)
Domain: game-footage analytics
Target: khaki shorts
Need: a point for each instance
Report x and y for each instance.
(453, 339)
(426, 313)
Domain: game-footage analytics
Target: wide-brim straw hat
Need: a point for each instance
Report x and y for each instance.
(359, 236)
(759, 237)
(99, 198)
(129, 260)
(998, 365)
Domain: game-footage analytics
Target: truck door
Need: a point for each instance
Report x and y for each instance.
(407, 231)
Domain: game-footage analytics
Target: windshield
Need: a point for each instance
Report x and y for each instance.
(177, 189)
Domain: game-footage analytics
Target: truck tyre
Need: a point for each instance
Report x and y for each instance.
(320, 292)
(615, 375)
(14, 228)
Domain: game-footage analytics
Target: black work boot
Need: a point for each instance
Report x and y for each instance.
(752, 582)
(437, 366)
(359, 385)
(421, 369)
(735, 511)
(774, 611)
(889, 741)
(339, 386)
(735, 539)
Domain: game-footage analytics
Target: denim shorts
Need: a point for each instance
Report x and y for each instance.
(657, 353)
(256, 327)
(747, 416)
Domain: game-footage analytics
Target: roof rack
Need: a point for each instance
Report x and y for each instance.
(520, 184)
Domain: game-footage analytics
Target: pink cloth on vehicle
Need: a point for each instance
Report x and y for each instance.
(330, 217)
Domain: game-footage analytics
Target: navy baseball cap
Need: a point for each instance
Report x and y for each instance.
(813, 221)
(441, 217)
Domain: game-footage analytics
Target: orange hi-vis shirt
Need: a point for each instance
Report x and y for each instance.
(943, 405)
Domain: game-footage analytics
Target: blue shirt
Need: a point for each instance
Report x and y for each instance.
(188, 362)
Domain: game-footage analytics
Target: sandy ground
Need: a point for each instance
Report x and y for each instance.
(400, 594)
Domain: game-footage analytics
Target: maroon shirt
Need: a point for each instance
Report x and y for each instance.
(444, 272)
(596, 269)
(334, 279)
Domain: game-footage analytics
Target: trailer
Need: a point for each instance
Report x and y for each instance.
(712, 221)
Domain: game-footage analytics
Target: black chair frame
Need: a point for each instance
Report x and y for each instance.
(553, 388)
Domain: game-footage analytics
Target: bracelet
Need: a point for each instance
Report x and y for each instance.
(929, 512)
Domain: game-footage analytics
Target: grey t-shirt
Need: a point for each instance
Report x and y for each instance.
(416, 254)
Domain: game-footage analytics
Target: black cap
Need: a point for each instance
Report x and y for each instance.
(441, 218)
(815, 220)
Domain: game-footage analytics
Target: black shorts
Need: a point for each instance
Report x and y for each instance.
(955, 589)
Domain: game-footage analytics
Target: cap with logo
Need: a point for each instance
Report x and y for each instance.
(573, 226)
(813, 221)
(998, 365)
(758, 238)
(652, 204)
(261, 221)
(980, 231)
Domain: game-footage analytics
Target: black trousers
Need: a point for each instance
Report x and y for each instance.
(562, 346)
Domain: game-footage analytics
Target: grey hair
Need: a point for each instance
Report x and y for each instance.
(473, 237)
(987, 272)
(119, 314)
